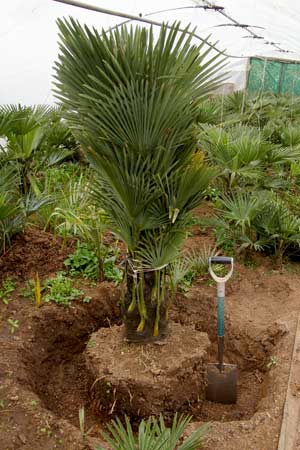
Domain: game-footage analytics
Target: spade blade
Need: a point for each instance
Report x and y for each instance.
(222, 385)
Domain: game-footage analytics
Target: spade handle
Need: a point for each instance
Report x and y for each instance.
(221, 300)
(220, 260)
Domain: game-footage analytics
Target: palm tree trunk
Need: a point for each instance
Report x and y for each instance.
(101, 269)
(144, 316)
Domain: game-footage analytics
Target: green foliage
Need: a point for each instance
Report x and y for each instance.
(8, 286)
(261, 110)
(198, 258)
(224, 239)
(58, 136)
(256, 149)
(75, 215)
(15, 209)
(27, 151)
(54, 182)
(60, 290)
(273, 362)
(11, 220)
(111, 271)
(258, 221)
(68, 218)
(178, 272)
(184, 270)
(277, 225)
(210, 112)
(187, 280)
(153, 434)
(27, 148)
(290, 136)
(244, 156)
(239, 152)
(236, 103)
(13, 325)
(84, 262)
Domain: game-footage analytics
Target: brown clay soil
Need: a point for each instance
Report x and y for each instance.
(45, 377)
(142, 381)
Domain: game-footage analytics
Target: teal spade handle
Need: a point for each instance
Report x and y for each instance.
(220, 321)
(220, 300)
(220, 287)
(220, 315)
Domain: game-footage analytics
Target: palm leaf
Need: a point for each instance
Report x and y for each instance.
(153, 435)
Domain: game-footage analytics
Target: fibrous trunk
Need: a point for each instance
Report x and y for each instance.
(145, 307)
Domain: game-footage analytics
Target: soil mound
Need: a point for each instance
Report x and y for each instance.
(143, 380)
(35, 251)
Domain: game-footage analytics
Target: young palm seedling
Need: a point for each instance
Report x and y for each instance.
(13, 324)
(153, 434)
(8, 286)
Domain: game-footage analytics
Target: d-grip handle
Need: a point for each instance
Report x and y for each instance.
(221, 260)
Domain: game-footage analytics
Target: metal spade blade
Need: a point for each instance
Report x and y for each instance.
(222, 385)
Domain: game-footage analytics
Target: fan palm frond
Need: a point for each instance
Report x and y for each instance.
(241, 152)
(159, 250)
(153, 434)
(241, 208)
(198, 258)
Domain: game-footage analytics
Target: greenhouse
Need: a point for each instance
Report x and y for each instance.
(150, 225)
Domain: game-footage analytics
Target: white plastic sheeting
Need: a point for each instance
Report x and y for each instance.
(28, 36)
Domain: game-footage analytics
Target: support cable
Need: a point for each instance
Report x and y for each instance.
(252, 33)
(131, 17)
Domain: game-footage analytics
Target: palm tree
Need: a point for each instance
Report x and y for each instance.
(243, 154)
(30, 143)
(154, 435)
(14, 208)
(132, 102)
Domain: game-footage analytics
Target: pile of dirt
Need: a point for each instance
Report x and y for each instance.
(35, 251)
(143, 380)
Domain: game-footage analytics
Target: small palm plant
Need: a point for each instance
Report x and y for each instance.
(10, 210)
(258, 221)
(14, 208)
(243, 154)
(132, 102)
(277, 224)
(154, 435)
(236, 218)
(25, 130)
(239, 152)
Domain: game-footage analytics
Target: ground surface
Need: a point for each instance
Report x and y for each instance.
(44, 378)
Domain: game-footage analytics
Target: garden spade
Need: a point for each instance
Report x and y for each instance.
(221, 377)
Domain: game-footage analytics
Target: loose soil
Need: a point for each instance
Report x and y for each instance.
(45, 376)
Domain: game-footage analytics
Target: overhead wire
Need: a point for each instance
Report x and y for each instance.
(247, 28)
(131, 17)
(207, 6)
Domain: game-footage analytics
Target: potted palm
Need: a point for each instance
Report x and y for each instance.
(132, 100)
